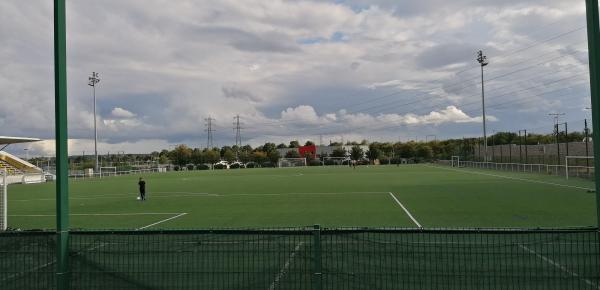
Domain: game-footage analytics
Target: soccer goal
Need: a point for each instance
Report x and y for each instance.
(340, 161)
(108, 171)
(33, 177)
(291, 162)
(3, 200)
(579, 166)
(455, 161)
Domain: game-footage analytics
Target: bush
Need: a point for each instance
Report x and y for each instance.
(219, 166)
(267, 164)
(202, 167)
(190, 167)
(251, 165)
(176, 168)
(314, 163)
(235, 166)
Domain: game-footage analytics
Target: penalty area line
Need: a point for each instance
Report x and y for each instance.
(161, 221)
(406, 211)
(285, 267)
(510, 177)
(559, 266)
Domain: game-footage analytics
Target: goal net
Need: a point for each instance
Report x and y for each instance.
(579, 166)
(108, 171)
(291, 162)
(345, 161)
(455, 161)
(3, 200)
(33, 177)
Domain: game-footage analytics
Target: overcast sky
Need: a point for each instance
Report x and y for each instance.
(379, 70)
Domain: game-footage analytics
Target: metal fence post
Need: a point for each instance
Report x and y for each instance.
(62, 162)
(317, 274)
(593, 31)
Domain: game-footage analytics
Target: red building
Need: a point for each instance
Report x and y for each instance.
(311, 149)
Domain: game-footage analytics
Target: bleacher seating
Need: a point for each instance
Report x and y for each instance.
(11, 170)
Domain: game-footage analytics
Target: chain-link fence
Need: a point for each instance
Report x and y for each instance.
(308, 259)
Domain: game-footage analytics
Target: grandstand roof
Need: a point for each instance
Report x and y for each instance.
(5, 140)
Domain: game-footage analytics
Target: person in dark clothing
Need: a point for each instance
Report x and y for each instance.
(142, 185)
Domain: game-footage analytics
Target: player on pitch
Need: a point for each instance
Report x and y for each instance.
(142, 185)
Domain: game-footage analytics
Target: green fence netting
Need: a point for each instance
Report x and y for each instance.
(308, 259)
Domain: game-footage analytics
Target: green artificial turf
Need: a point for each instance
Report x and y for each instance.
(330, 196)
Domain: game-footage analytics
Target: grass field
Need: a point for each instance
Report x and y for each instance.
(376, 196)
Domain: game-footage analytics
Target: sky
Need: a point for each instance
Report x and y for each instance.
(381, 70)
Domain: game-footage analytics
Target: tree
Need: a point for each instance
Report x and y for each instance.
(309, 143)
(229, 156)
(181, 155)
(356, 153)
(273, 156)
(424, 151)
(268, 147)
(211, 156)
(292, 154)
(407, 150)
(197, 156)
(281, 146)
(244, 156)
(309, 157)
(259, 157)
(338, 152)
(294, 144)
(373, 154)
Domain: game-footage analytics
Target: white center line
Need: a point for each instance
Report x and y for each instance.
(406, 211)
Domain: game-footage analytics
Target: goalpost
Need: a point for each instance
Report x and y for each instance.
(579, 166)
(455, 161)
(3, 200)
(336, 161)
(291, 162)
(108, 171)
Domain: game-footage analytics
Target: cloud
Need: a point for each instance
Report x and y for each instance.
(233, 92)
(122, 113)
(175, 65)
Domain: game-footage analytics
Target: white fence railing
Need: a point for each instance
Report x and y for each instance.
(560, 170)
(82, 175)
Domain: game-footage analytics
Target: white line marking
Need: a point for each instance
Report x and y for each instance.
(406, 210)
(162, 221)
(285, 267)
(559, 266)
(97, 214)
(199, 194)
(514, 178)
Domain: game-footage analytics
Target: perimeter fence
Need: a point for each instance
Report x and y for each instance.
(307, 258)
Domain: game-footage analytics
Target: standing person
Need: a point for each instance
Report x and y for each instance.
(142, 185)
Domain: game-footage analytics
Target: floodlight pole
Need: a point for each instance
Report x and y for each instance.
(482, 59)
(593, 30)
(93, 80)
(62, 157)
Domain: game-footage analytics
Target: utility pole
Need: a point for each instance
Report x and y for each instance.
(587, 152)
(556, 119)
(238, 136)
(482, 59)
(520, 144)
(93, 81)
(209, 130)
